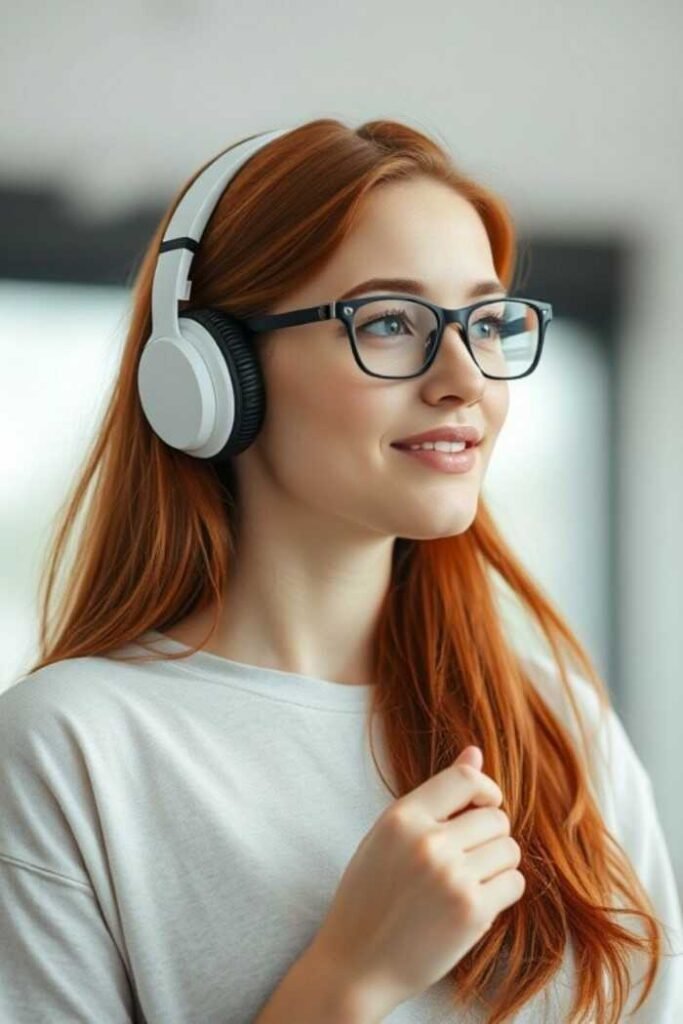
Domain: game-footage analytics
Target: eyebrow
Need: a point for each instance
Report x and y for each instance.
(407, 284)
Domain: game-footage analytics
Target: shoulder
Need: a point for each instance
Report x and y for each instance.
(74, 698)
(53, 692)
(44, 779)
(34, 699)
(619, 778)
(66, 733)
(48, 721)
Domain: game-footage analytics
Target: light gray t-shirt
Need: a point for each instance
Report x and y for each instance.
(172, 834)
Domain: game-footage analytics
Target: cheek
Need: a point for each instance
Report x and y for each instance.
(361, 409)
(496, 406)
(343, 405)
(323, 403)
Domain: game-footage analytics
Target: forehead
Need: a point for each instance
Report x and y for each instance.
(416, 228)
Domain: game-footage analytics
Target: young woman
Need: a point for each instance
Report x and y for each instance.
(278, 759)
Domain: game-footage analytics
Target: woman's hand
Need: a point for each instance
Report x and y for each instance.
(423, 886)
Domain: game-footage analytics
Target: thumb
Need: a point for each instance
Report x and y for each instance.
(471, 755)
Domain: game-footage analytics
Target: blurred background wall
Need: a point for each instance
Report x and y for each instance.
(571, 112)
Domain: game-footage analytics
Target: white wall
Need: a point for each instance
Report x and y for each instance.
(572, 111)
(546, 487)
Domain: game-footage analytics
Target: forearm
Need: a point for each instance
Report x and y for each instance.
(312, 992)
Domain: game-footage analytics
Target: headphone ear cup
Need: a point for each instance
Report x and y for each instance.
(234, 341)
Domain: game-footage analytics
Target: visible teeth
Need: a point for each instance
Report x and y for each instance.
(440, 446)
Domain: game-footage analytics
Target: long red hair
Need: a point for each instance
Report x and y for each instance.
(157, 535)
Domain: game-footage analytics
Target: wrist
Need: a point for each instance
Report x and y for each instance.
(313, 991)
(348, 997)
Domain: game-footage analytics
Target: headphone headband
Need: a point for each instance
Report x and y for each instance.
(185, 229)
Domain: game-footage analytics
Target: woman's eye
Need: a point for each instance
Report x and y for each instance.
(384, 320)
(493, 323)
(393, 318)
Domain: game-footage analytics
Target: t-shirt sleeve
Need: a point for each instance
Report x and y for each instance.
(625, 795)
(59, 962)
(640, 833)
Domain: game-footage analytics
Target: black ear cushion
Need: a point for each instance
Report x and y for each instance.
(234, 341)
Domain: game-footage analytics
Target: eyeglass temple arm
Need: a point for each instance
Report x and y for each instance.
(293, 319)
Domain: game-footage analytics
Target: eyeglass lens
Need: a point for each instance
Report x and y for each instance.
(395, 337)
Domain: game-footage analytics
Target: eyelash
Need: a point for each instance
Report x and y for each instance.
(398, 313)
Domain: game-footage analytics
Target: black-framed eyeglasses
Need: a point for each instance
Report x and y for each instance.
(504, 336)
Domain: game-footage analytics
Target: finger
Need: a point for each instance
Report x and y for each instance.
(451, 790)
(486, 861)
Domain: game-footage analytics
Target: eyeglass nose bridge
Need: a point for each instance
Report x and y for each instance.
(458, 317)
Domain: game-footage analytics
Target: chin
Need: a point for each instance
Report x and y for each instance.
(455, 526)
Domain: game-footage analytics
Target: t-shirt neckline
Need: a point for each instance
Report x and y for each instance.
(271, 682)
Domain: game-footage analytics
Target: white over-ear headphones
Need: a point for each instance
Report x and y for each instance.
(199, 380)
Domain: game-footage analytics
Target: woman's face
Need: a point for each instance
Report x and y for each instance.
(325, 446)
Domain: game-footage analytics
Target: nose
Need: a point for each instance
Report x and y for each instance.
(454, 346)
(453, 374)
